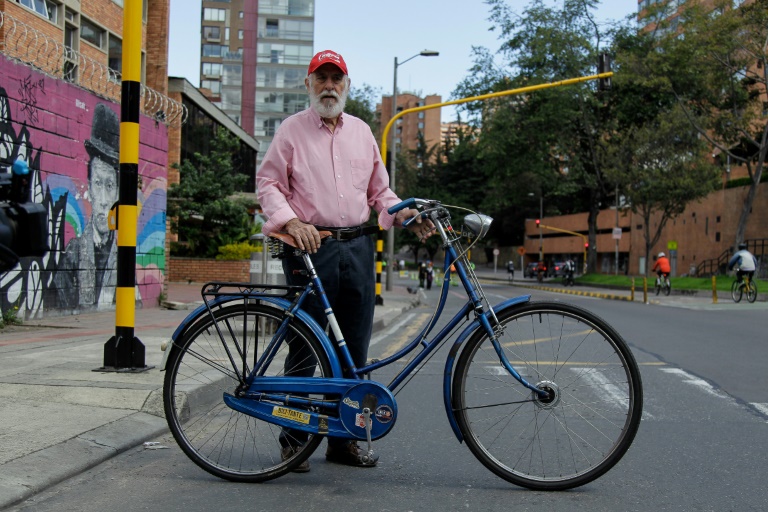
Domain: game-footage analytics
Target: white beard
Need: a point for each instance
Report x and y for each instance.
(332, 109)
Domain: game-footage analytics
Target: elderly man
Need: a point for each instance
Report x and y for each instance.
(323, 171)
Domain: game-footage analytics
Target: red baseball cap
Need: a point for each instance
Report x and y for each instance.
(327, 57)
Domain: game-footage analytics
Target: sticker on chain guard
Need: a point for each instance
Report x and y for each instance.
(376, 398)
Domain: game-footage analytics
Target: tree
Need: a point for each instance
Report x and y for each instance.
(361, 103)
(661, 166)
(202, 209)
(551, 143)
(719, 74)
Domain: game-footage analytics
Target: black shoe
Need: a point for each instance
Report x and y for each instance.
(350, 454)
(289, 451)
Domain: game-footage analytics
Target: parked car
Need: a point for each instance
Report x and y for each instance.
(558, 270)
(530, 269)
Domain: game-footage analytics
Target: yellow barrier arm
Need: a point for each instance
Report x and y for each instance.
(510, 92)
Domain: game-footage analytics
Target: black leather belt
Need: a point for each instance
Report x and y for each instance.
(349, 233)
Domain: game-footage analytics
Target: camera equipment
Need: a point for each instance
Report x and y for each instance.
(23, 224)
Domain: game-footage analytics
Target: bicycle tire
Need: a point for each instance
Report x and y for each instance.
(222, 441)
(658, 287)
(736, 291)
(667, 287)
(576, 437)
(752, 291)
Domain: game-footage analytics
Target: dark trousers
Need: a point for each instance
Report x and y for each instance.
(346, 270)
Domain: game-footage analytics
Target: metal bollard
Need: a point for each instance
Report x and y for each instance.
(714, 290)
(632, 291)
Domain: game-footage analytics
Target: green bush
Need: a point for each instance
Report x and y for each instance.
(239, 251)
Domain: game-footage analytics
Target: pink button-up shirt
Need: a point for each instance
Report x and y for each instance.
(322, 177)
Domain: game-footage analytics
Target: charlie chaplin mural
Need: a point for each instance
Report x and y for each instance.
(87, 271)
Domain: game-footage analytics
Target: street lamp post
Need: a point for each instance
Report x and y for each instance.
(393, 164)
(541, 218)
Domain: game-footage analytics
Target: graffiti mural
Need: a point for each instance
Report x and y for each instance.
(70, 140)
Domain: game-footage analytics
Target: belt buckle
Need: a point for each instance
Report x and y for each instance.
(337, 235)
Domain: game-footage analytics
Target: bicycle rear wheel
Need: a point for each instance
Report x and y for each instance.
(658, 286)
(222, 441)
(752, 291)
(667, 287)
(576, 435)
(736, 291)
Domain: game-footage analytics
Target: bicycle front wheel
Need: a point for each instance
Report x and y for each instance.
(576, 434)
(736, 291)
(210, 361)
(752, 291)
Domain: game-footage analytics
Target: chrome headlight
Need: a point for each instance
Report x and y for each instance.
(477, 224)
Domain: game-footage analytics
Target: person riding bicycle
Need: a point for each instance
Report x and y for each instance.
(745, 262)
(569, 268)
(323, 172)
(662, 267)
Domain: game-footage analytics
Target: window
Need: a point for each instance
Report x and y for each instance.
(226, 33)
(45, 8)
(272, 28)
(240, 14)
(115, 60)
(211, 69)
(240, 34)
(210, 14)
(212, 50)
(92, 33)
(213, 85)
(211, 33)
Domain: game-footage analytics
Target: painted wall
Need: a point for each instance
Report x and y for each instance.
(70, 139)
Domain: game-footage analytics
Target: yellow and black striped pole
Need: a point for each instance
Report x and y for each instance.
(379, 260)
(124, 351)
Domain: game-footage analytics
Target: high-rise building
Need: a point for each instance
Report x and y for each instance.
(254, 58)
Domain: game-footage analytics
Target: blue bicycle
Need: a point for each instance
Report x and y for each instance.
(545, 394)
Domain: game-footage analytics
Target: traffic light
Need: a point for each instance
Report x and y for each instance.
(537, 222)
(586, 245)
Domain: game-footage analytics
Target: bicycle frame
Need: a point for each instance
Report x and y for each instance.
(340, 356)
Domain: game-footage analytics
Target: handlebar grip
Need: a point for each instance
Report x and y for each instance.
(408, 203)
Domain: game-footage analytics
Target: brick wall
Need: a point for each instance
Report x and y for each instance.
(199, 270)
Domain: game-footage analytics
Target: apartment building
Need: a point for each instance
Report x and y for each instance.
(254, 58)
(406, 129)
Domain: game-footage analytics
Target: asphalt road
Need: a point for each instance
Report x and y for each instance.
(701, 445)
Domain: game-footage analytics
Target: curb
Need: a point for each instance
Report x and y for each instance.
(31, 474)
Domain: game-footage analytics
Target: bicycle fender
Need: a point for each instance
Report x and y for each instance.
(303, 316)
(453, 353)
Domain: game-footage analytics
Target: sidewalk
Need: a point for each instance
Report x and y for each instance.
(59, 417)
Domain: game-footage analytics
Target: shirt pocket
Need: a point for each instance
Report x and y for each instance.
(361, 172)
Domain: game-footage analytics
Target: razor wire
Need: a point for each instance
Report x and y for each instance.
(26, 44)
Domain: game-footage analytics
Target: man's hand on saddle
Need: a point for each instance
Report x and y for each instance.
(306, 235)
(423, 228)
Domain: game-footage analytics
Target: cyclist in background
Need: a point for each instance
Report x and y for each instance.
(662, 267)
(570, 268)
(745, 262)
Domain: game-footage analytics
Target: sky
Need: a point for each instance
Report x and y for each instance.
(369, 35)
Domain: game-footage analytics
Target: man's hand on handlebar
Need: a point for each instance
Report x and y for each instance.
(423, 228)
(306, 236)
